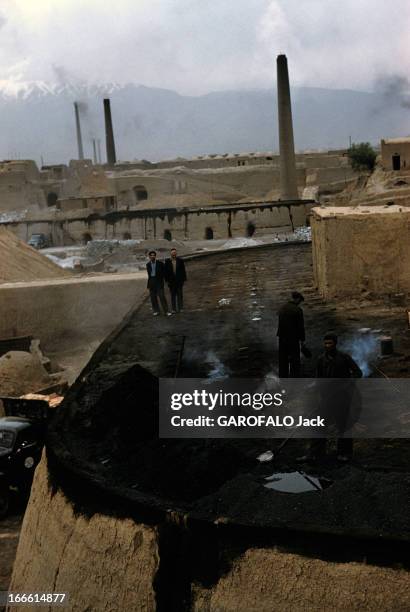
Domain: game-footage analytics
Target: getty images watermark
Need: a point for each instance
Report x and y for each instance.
(273, 408)
(221, 400)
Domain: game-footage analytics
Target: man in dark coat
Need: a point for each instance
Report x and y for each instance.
(336, 396)
(156, 276)
(175, 276)
(291, 334)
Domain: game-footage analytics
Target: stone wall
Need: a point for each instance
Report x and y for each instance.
(361, 249)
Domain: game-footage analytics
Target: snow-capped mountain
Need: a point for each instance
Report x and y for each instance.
(23, 90)
(37, 120)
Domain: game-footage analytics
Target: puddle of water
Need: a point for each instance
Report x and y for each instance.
(295, 482)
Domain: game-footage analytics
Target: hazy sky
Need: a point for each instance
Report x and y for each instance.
(197, 46)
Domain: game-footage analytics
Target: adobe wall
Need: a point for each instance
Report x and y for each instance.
(266, 579)
(214, 184)
(216, 178)
(190, 224)
(84, 308)
(400, 147)
(102, 563)
(361, 249)
(106, 563)
(311, 160)
(16, 195)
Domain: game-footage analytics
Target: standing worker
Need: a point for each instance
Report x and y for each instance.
(156, 276)
(336, 398)
(175, 276)
(291, 334)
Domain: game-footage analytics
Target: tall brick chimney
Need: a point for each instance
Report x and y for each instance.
(109, 133)
(288, 178)
(78, 128)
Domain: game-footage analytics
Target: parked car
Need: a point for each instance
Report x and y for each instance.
(21, 444)
(39, 241)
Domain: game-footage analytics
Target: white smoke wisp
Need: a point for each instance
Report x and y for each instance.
(218, 369)
(363, 349)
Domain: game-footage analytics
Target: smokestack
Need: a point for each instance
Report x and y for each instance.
(288, 178)
(79, 139)
(109, 133)
(99, 150)
(94, 152)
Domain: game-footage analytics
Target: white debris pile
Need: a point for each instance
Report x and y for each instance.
(10, 217)
(303, 233)
(235, 243)
(69, 263)
(100, 248)
(300, 234)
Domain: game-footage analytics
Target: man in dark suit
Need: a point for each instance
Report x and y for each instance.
(291, 333)
(175, 276)
(156, 276)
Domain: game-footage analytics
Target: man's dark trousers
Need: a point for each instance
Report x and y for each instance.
(289, 358)
(175, 276)
(177, 296)
(156, 290)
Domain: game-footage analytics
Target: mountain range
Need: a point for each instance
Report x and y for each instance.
(37, 120)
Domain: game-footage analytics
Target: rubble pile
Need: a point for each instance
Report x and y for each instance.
(25, 371)
(20, 262)
(20, 373)
(116, 255)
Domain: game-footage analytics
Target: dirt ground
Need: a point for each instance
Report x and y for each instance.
(9, 536)
(20, 262)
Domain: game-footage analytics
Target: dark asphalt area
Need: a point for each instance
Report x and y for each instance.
(104, 433)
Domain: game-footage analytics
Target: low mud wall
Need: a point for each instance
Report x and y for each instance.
(109, 563)
(101, 563)
(84, 308)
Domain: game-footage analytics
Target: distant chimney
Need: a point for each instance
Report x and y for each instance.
(99, 150)
(94, 152)
(78, 127)
(109, 133)
(288, 177)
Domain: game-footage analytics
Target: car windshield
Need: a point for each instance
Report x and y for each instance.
(36, 237)
(6, 438)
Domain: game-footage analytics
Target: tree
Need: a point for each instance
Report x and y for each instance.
(362, 156)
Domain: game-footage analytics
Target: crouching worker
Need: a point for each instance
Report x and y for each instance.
(336, 398)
